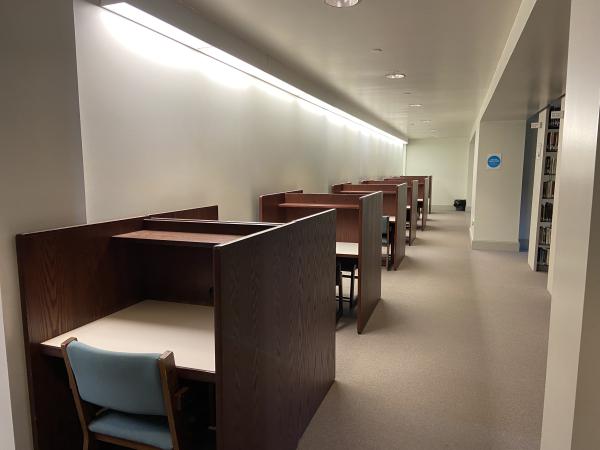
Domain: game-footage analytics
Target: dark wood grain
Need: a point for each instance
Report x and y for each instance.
(206, 226)
(203, 213)
(399, 244)
(369, 259)
(424, 194)
(275, 332)
(268, 207)
(393, 206)
(68, 277)
(412, 213)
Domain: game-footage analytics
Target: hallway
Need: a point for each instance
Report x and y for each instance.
(454, 356)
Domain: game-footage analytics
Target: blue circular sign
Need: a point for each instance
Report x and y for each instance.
(494, 161)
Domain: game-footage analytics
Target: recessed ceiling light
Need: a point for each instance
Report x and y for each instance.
(377, 50)
(415, 105)
(426, 121)
(395, 76)
(342, 3)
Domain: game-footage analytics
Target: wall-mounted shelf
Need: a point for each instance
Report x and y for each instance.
(546, 168)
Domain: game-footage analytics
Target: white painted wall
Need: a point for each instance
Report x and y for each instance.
(41, 171)
(165, 127)
(572, 399)
(497, 193)
(447, 160)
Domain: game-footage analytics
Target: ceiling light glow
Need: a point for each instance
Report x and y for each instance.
(395, 76)
(415, 105)
(342, 3)
(155, 24)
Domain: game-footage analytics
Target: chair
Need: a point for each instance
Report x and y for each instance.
(348, 268)
(340, 285)
(124, 399)
(385, 240)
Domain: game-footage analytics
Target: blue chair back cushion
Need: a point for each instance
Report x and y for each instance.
(126, 382)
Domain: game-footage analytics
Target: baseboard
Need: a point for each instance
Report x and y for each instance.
(442, 208)
(497, 246)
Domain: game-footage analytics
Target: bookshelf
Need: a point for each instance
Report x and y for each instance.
(544, 187)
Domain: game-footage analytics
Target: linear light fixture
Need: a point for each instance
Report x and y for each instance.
(157, 25)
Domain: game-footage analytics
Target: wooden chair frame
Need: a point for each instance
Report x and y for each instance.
(87, 411)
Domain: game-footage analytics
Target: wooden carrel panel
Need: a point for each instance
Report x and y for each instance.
(369, 260)
(413, 213)
(399, 232)
(207, 226)
(268, 207)
(203, 213)
(68, 278)
(393, 205)
(275, 333)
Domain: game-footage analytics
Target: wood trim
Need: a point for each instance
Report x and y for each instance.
(369, 259)
(203, 213)
(399, 247)
(413, 212)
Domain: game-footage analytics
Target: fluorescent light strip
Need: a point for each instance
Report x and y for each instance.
(155, 24)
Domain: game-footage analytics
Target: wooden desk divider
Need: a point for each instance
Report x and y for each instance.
(204, 213)
(274, 314)
(424, 193)
(358, 219)
(394, 205)
(412, 202)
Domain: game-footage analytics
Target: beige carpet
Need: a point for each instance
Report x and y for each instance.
(454, 356)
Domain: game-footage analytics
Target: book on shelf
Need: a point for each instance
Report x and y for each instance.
(552, 141)
(548, 189)
(554, 123)
(546, 212)
(545, 235)
(550, 165)
(543, 256)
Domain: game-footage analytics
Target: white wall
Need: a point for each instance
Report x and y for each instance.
(41, 172)
(165, 127)
(445, 159)
(572, 399)
(497, 193)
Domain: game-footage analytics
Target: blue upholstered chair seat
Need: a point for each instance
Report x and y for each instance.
(149, 430)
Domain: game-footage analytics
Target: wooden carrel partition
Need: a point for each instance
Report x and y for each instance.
(275, 315)
(412, 202)
(394, 205)
(358, 219)
(424, 193)
(204, 213)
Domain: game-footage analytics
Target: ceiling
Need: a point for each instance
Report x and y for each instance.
(537, 71)
(449, 51)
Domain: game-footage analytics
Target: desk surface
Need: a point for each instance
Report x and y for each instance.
(154, 327)
(346, 248)
(318, 205)
(178, 238)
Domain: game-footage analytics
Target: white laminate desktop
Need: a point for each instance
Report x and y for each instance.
(154, 327)
(346, 248)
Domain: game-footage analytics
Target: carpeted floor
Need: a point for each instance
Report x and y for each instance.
(454, 356)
